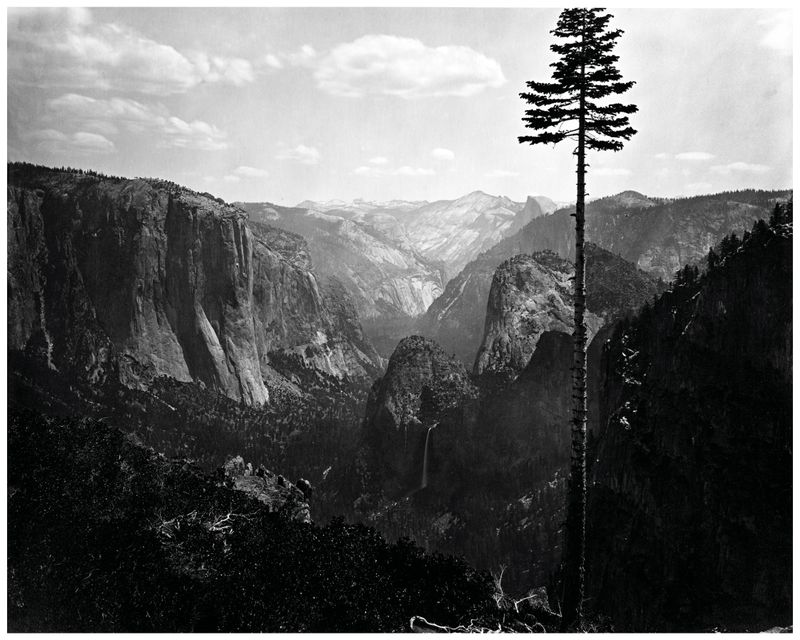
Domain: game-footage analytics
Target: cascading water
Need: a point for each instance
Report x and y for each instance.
(424, 482)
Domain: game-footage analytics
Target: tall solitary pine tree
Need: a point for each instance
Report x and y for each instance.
(570, 107)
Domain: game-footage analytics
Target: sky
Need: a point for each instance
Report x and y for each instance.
(284, 105)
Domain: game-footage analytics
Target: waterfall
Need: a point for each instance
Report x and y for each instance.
(424, 482)
(43, 322)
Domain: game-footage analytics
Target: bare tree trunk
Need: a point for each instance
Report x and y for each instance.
(575, 542)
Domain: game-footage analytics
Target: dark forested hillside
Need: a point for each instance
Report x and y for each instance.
(690, 507)
(107, 536)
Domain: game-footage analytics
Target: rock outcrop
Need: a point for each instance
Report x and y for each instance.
(142, 278)
(270, 489)
(532, 294)
(314, 325)
(422, 384)
(529, 295)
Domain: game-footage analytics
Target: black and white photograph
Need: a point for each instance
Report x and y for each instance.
(411, 319)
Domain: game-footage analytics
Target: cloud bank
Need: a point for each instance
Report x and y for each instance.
(107, 115)
(65, 47)
(405, 67)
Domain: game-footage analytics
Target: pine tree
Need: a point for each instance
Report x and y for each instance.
(570, 107)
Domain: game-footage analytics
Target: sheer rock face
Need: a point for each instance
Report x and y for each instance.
(690, 505)
(456, 319)
(163, 280)
(316, 326)
(421, 384)
(531, 295)
(140, 278)
(657, 236)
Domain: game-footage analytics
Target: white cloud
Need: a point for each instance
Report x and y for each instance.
(694, 156)
(442, 154)
(740, 167)
(662, 156)
(66, 48)
(375, 172)
(301, 153)
(372, 172)
(54, 141)
(192, 135)
(232, 178)
(609, 171)
(501, 173)
(92, 142)
(304, 57)
(272, 60)
(138, 118)
(405, 67)
(250, 172)
(235, 71)
(379, 160)
(103, 127)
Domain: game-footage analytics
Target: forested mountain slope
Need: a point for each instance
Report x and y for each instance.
(690, 506)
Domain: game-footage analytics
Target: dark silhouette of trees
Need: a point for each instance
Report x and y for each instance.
(570, 107)
(782, 214)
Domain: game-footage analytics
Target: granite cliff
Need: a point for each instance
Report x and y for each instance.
(532, 294)
(529, 296)
(141, 278)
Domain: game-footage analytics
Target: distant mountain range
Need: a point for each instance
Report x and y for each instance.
(657, 235)
(450, 232)
(395, 257)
